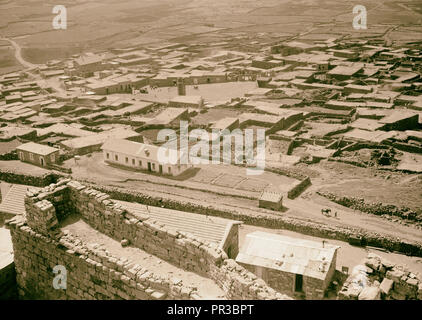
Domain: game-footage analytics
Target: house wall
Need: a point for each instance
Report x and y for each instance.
(141, 163)
(271, 205)
(34, 158)
(284, 282)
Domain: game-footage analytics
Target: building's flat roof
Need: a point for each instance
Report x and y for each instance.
(167, 116)
(212, 229)
(224, 123)
(98, 138)
(346, 70)
(293, 255)
(13, 201)
(187, 99)
(37, 148)
(398, 116)
(271, 196)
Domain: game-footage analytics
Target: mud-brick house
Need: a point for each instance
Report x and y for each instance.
(293, 266)
(271, 200)
(38, 154)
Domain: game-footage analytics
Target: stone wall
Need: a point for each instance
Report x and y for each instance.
(18, 178)
(375, 208)
(92, 273)
(298, 188)
(97, 209)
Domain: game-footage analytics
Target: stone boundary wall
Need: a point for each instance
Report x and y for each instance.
(274, 221)
(31, 180)
(8, 282)
(374, 208)
(407, 147)
(302, 184)
(12, 155)
(182, 249)
(298, 188)
(92, 273)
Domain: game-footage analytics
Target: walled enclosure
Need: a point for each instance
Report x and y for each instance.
(39, 245)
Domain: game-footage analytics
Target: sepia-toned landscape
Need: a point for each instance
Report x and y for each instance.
(332, 212)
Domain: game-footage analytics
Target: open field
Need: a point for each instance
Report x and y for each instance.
(96, 25)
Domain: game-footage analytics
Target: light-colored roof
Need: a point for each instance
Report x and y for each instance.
(398, 116)
(187, 99)
(293, 255)
(224, 123)
(99, 138)
(13, 202)
(136, 149)
(167, 115)
(212, 229)
(37, 148)
(271, 196)
(346, 70)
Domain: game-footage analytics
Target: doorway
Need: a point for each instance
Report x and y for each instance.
(161, 169)
(299, 283)
(149, 166)
(42, 161)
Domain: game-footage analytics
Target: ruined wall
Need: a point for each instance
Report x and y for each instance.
(382, 279)
(92, 273)
(108, 217)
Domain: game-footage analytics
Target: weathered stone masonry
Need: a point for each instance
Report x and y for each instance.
(94, 274)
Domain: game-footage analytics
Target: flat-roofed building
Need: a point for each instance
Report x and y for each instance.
(38, 154)
(344, 72)
(271, 199)
(400, 120)
(92, 143)
(290, 265)
(187, 102)
(142, 156)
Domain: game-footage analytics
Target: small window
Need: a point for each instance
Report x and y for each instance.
(127, 159)
(116, 157)
(133, 162)
(108, 156)
(140, 163)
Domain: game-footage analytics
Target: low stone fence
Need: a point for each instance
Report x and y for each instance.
(374, 208)
(31, 180)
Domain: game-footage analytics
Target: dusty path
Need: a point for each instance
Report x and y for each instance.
(18, 54)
